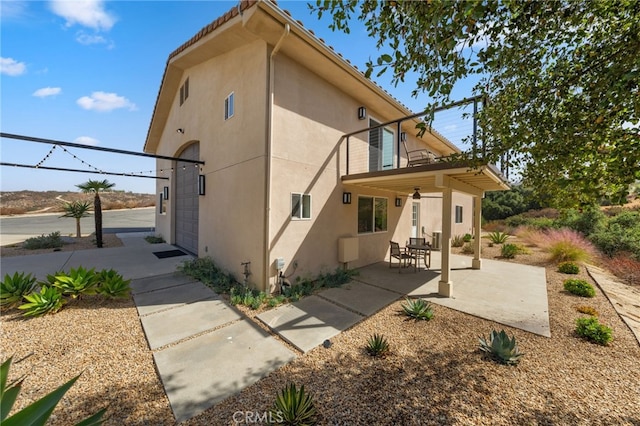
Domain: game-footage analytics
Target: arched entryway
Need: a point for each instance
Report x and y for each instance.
(186, 203)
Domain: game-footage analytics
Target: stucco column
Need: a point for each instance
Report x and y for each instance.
(476, 263)
(445, 286)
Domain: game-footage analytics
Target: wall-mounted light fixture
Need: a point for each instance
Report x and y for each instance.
(398, 202)
(403, 136)
(165, 192)
(180, 130)
(201, 185)
(362, 113)
(346, 198)
(416, 195)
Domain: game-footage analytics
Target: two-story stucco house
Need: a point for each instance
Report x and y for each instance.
(266, 106)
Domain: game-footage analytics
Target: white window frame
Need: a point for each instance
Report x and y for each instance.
(373, 215)
(459, 214)
(229, 106)
(184, 91)
(300, 213)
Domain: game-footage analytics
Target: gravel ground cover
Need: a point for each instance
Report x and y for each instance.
(435, 373)
(83, 243)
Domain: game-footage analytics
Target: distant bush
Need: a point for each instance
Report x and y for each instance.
(533, 222)
(53, 240)
(625, 267)
(457, 241)
(154, 239)
(467, 238)
(468, 248)
(587, 222)
(621, 233)
(579, 288)
(567, 245)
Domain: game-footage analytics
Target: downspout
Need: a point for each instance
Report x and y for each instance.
(267, 189)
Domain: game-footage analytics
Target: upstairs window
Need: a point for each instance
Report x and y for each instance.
(300, 206)
(184, 91)
(229, 106)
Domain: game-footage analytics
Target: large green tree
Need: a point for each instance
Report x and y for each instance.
(95, 187)
(559, 78)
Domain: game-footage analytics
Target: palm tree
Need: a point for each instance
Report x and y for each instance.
(94, 187)
(77, 210)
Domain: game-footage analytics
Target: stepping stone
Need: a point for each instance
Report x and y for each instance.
(173, 325)
(201, 372)
(171, 297)
(142, 285)
(359, 297)
(309, 322)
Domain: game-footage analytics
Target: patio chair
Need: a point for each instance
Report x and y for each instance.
(418, 157)
(402, 255)
(425, 254)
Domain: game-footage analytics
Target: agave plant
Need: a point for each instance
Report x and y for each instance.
(502, 348)
(38, 412)
(77, 281)
(377, 345)
(14, 288)
(112, 284)
(498, 237)
(49, 300)
(294, 407)
(418, 309)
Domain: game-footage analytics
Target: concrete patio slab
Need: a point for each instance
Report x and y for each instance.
(201, 372)
(359, 297)
(309, 322)
(39, 265)
(143, 285)
(171, 297)
(166, 327)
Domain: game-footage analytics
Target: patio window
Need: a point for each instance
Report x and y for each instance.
(372, 214)
(229, 106)
(458, 214)
(300, 206)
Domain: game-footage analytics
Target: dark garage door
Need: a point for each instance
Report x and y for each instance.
(187, 200)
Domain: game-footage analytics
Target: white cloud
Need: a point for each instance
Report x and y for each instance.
(13, 9)
(101, 101)
(86, 140)
(47, 91)
(10, 66)
(84, 38)
(88, 13)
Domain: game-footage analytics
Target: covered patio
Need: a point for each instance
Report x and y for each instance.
(442, 177)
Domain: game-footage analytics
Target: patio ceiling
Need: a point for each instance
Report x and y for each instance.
(432, 178)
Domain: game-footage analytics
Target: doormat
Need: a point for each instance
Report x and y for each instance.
(169, 253)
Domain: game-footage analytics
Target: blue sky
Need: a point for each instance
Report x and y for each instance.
(89, 72)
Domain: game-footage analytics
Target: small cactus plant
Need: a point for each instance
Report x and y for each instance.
(418, 309)
(377, 345)
(502, 348)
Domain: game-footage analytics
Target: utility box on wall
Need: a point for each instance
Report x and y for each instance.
(347, 249)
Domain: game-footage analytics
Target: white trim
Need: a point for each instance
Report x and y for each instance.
(229, 106)
(301, 207)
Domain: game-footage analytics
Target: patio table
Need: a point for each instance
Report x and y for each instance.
(421, 250)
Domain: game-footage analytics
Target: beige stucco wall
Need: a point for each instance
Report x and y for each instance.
(431, 214)
(231, 219)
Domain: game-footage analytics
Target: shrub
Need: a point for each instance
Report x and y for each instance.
(457, 241)
(567, 245)
(509, 251)
(53, 240)
(568, 268)
(418, 309)
(38, 412)
(501, 347)
(154, 239)
(587, 310)
(111, 284)
(48, 301)
(533, 222)
(625, 267)
(294, 407)
(377, 345)
(14, 288)
(590, 220)
(205, 270)
(589, 328)
(498, 237)
(467, 238)
(77, 281)
(579, 288)
(620, 234)
(468, 248)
